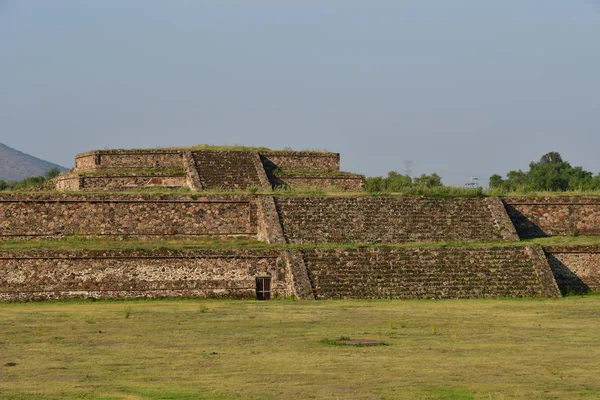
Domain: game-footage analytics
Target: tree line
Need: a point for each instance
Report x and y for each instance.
(395, 182)
(550, 173)
(29, 182)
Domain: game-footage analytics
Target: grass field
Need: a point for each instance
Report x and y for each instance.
(281, 349)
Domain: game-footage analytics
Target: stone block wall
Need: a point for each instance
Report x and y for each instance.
(34, 275)
(445, 272)
(30, 216)
(121, 182)
(300, 160)
(214, 169)
(348, 182)
(385, 219)
(554, 216)
(68, 182)
(129, 159)
(576, 268)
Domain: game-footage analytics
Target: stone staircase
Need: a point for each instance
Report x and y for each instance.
(229, 170)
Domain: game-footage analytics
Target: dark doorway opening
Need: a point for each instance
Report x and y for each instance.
(263, 287)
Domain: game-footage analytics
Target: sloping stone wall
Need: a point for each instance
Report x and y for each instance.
(575, 267)
(300, 160)
(129, 159)
(554, 216)
(121, 182)
(349, 182)
(110, 273)
(328, 219)
(216, 169)
(445, 272)
(27, 216)
(68, 182)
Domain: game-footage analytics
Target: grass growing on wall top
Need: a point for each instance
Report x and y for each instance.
(102, 243)
(235, 147)
(217, 243)
(435, 192)
(206, 349)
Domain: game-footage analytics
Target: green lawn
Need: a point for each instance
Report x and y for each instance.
(190, 349)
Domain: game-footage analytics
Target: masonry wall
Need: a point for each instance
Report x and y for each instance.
(129, 159)
(123, 182)
(576, 268)
(109, 273)
(304, 161)
(383, 219)
(554, 216)
(349, 182)
(30, 216)
(402, 273)
(68, 182)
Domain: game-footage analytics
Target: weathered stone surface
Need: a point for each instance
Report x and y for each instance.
(576, 268)
(554, 216)
(305, 161)
(543, 271)
(349, 182)
(385, 219)
(121, 182)
(25, 216)
(211, 169)
(193, 179)
(502, 220)
(129, 159)
(299, 280)
(446, 272)
(269, 226)
(159, 273)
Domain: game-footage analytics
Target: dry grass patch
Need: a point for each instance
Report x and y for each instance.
(190, 349)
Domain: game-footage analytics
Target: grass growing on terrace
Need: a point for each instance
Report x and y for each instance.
(235, 147)
(110, 243)
(204, 349)
(232, 243)
(435, 192)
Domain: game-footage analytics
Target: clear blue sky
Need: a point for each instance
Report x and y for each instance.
(461, 87)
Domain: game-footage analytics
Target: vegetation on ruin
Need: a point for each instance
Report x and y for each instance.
(239, 147)
(78, 243)
(210, 147)
(206, 349)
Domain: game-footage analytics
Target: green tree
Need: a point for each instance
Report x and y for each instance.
(396, 182)
(496, 182)
(552, 157)
(29, 182)
(52, 173)
(551, 173)
(375, 184)
(3, 185)
(433, 180)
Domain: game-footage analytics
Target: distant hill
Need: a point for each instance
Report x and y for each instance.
(16, 165)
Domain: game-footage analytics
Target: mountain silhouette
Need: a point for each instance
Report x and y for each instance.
(16, 165)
